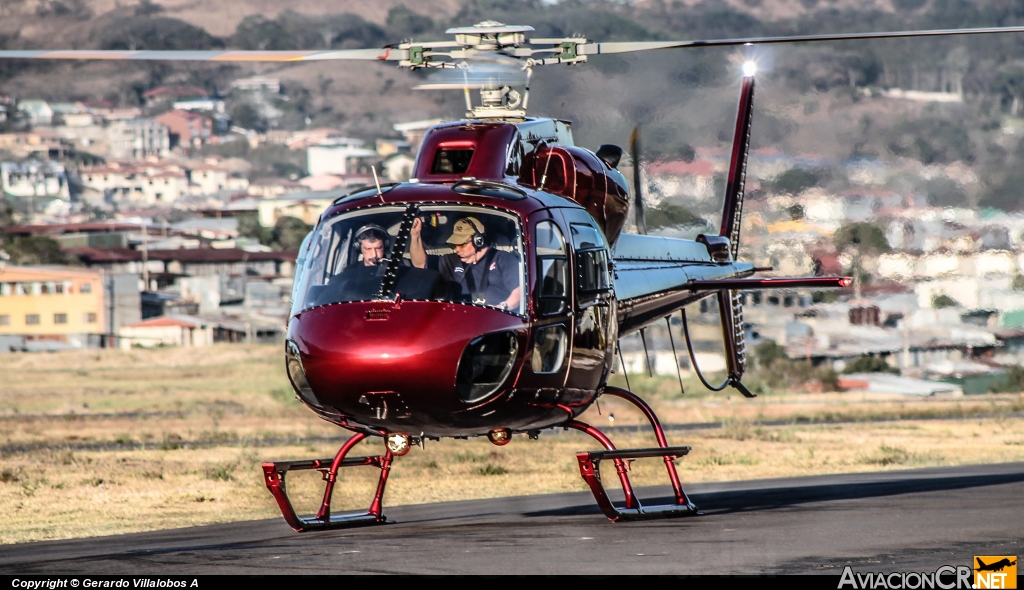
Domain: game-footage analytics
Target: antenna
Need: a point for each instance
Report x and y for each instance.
(376, 181)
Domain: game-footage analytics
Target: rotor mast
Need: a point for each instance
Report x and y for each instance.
(490, 54)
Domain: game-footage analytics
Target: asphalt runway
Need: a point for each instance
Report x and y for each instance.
(914, 520)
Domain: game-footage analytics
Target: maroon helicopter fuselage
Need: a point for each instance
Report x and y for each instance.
(391, 364)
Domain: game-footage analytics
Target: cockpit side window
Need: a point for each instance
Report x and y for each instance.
(552, 270)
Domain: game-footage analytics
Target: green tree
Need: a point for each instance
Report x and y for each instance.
(942, 300)
(795, 181)
(870, 364)
(404, 23)
(862, 236)
(1014, 382)
(943, 192)
(669, 215)
(859, 239)
(247, 116)
(768, 352)
(931, 140)
(36, 250)
(153, 33)
(257, 32)
(289, 232)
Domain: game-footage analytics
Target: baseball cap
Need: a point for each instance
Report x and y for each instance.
(464, 230)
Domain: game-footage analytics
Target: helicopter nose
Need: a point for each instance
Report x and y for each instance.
(438, 357)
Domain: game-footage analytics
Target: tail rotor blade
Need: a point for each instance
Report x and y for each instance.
(638, 198)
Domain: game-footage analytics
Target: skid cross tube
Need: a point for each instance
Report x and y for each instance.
(590, 469)
(274, 475)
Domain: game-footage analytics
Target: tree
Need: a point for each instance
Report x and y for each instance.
(943, 192)
(36, 250)
(405, 23)
(289, 232)
(870, 364)
(153, 33)
(1014, 382)
(768, 352)
(931, 140)
(942, 300)
(860, 239)
(795, 181)
(257, 32)
(247, 116)
(668, 215)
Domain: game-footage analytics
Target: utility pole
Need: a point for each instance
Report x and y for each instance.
(145, 258)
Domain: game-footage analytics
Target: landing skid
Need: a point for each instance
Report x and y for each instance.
(590, 464)
(274, 475)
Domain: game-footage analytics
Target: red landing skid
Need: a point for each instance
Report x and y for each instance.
(590, 469)
(274, 474)
(590, 464)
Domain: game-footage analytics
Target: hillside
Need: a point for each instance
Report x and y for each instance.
(811, 99)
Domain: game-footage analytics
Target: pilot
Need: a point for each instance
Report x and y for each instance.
(481, 273)
(359, 282)
(371, 239)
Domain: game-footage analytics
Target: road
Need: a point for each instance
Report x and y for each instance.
(911, 520)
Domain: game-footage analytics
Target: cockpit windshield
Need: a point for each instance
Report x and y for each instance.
(455, 253)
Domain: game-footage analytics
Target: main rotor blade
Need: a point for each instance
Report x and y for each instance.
(628, 46)
(638, 198)
(385, 54)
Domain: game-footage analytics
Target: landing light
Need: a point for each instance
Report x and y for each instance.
(749, 68)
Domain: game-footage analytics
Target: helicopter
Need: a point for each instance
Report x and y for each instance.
(486, 296)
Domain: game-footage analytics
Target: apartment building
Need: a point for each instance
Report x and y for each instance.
(51, 303)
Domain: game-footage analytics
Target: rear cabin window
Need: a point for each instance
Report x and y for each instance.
(451, 161)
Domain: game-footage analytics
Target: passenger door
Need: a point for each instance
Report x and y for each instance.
(544, 374)
(594, 326)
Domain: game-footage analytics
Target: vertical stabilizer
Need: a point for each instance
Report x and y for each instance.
(730, 303)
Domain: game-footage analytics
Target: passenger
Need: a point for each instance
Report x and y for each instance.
(479, 272)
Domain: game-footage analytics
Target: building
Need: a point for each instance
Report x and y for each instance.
(398, 167)
(169, 94)
(59, 304)
(306, 206)
(340, 156)
(414, 131)
(136, 139)
(36, 112)
(185, 128)
(212, 105)
(42, 145)
(35, 180)
(143, 183)
(172, 330)
(257, 84)
(207, 179)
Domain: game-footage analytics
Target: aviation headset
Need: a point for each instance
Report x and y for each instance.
(479, 239)
(371, 230)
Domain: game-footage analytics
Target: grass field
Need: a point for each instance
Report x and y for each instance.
(105, 442)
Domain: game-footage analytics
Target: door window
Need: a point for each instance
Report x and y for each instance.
(553, 270)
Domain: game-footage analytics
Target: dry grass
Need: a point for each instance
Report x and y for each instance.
(182, 432)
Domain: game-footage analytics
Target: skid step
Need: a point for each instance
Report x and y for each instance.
(274, 475)
(590, 469)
